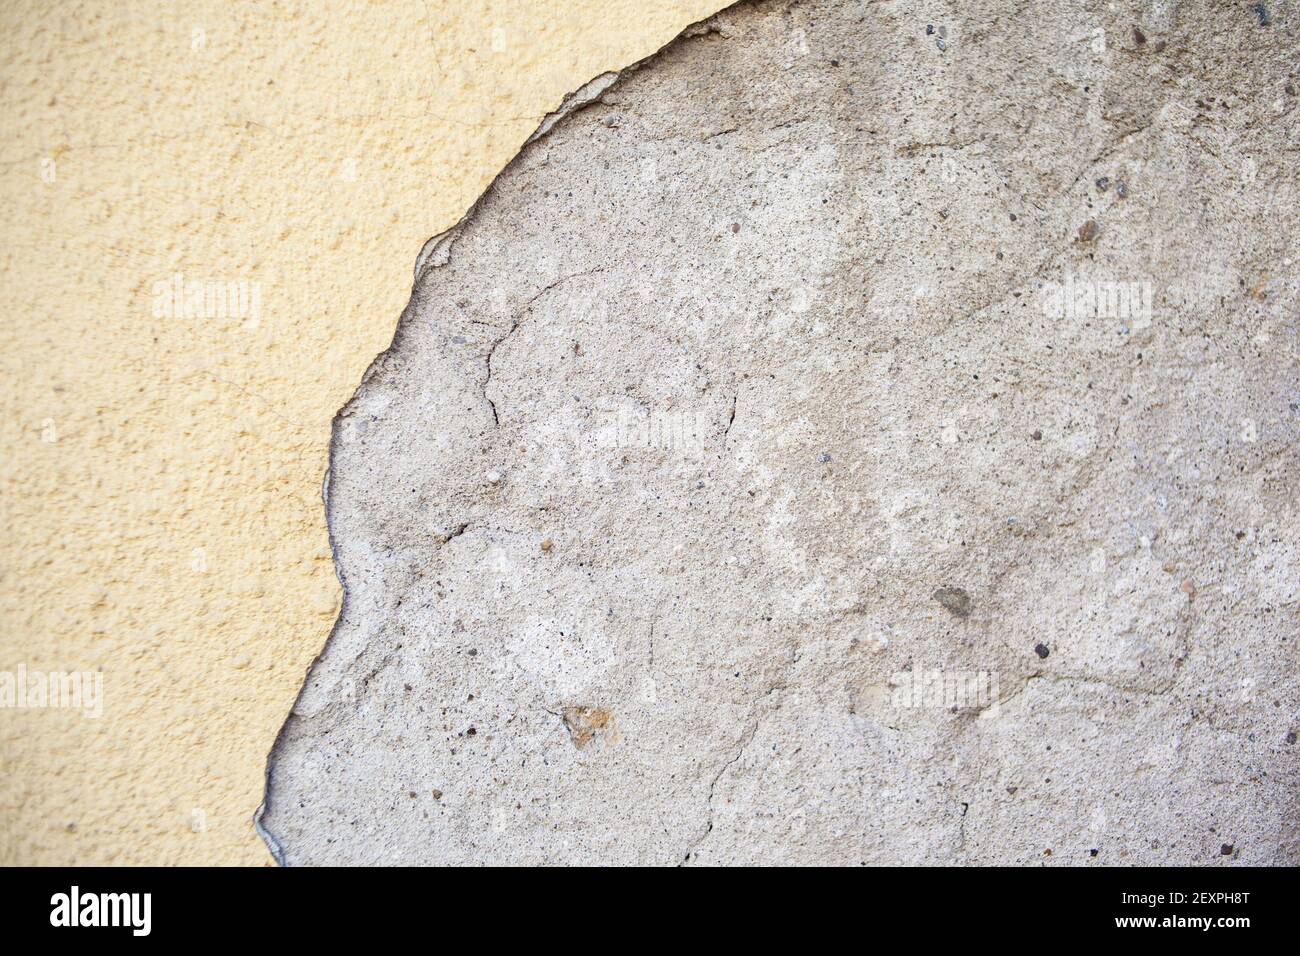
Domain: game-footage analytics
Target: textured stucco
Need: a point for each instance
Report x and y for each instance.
(160, 475)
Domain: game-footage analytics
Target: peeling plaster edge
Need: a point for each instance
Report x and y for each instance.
(272, 842)
(434, 254)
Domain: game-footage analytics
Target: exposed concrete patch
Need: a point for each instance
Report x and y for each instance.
(826, 444)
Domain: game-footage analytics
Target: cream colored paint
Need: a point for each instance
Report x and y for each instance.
(160, 478)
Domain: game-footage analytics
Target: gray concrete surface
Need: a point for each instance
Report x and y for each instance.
(864, 432)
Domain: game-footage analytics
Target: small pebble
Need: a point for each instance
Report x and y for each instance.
(494, 477)
(955, 600)
(825, 457)
(735, 227)
(546, 546)
(1262, 12)
(1290, 737)
(1036, 435)
(1104, 183)
(941, 44)
(1042, 650)
(1121, 189)
(1226, 849)
(929, 29)
(1188, 588)
(1089, 231)
(1139, 37)
(437, 794)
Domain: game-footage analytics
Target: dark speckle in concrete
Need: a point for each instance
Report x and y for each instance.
(955, 600)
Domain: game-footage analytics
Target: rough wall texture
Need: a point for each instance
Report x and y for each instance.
(863, 432)
(161, 466)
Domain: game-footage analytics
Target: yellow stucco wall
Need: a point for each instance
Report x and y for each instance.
(160, 470)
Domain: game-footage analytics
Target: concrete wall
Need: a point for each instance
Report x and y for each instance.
(162, 455)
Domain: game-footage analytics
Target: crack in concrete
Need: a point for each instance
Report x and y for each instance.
(516, 322)
(743, 743)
